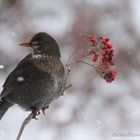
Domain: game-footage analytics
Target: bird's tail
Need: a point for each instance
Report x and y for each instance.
(4, 106)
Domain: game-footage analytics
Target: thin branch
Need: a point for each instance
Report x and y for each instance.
(66, 88)
(71, 56)
(25, 122)
(85, 63)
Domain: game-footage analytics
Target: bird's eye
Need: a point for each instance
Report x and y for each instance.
(35, 45)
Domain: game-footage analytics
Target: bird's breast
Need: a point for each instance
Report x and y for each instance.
(53, 66)
(49, 64)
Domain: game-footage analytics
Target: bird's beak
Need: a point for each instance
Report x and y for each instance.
(25, 44)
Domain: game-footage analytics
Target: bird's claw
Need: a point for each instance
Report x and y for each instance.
(43, 109)
(35, 113)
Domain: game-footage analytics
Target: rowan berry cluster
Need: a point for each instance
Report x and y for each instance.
(102, 54)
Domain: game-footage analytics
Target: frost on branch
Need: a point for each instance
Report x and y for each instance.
(99, 54)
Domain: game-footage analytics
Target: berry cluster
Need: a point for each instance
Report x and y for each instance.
(102, 56)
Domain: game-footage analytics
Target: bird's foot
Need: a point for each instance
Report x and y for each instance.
(43, 109)
(35, 113)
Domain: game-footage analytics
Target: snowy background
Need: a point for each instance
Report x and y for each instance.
(92, 109)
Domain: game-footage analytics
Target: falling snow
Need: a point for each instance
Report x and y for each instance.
(1, 66)
(20, 79)
(91, 104)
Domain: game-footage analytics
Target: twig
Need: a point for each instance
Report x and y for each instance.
(85, 63)
(25, 122)
(66, 88)
(72, 55)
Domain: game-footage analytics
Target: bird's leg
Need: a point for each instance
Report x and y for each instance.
(44, 108)
(35, 112)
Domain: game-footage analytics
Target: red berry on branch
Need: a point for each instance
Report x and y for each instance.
(95, 57)
(93, 39)
(103, 53)
(110, 76)
(106, 39)
(106, 65)
(109, 46)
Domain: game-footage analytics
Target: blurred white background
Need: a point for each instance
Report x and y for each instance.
(92, 109)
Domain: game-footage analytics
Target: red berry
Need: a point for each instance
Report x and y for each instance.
(106, 65)
(95, 57)
(93, 39)
(110, 76)
(106, 39)
(103, 60)
(109, 46)
(103, 53)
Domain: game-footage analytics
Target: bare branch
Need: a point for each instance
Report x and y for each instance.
(25, 122)
(85, 63)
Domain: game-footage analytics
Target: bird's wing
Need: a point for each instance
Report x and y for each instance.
(19, 75)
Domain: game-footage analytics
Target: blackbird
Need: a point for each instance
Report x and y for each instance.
(37, 80)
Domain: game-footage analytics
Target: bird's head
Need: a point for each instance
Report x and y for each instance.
(43, 44)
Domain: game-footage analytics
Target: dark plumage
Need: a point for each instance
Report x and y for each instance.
(37, 80)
